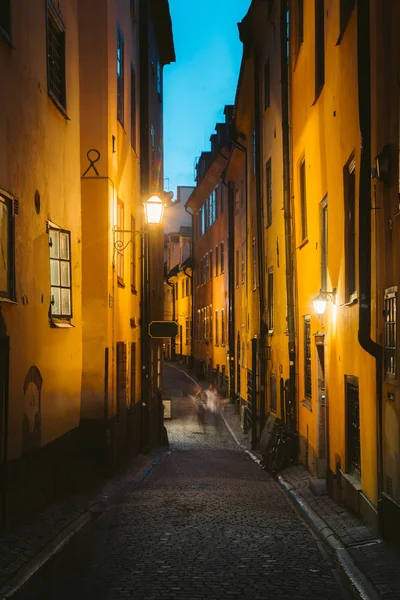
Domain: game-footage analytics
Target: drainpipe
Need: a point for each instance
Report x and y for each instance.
(260, 236)
(168, 282)
(191, 290)
(193, 304)
(231, 288)
(289, 249)
(364, 223)
(144, 187)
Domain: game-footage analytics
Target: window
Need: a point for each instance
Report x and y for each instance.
(7, 277)
(60, 273)
(120, 238)
(206, 269)
(216, 329)
(353, 439)
(187, 334)
(133, 108)
(254, 264)
(183, 288)
(120, 76)
(198, 328)
(187, 286)
(5, 17)
(307, 357)
(133, 373)
(270, 299)
(324, 245)
(319, 46)
(55, 57)
(299, 24)
(268, 183)
(272, 383)
(243, 262)
(267, 84)
(121, 377)
(133, 254)
(210, 329)
(237, 200)
(222, 326)
(216, 261)
(237, 269)
(303, 199)
(222, 257)
(349, 184)
(216, 202)
(346, 8)
(390, 324)
(211, 264)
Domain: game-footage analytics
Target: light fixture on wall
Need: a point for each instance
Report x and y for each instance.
(153, 210)
(321, 301)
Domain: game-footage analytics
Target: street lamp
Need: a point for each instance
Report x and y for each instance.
(321, 301)
(153, 210)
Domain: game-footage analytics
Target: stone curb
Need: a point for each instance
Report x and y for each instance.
(364, 588)
(24, 573)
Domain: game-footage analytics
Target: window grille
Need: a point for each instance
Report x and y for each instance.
(307, 358)
(390, 325)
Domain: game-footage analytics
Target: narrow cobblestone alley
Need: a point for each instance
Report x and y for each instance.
(206, 522)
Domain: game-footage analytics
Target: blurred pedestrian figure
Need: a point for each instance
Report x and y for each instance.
(213, 405)
(200, 406)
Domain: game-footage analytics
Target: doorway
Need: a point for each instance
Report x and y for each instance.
(353, 441)
(322, 434)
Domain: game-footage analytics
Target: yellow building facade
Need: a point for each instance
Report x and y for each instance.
(41, 240)
(81, 274)
(336, 377)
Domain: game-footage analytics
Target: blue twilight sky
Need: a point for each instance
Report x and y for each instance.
(200, 83)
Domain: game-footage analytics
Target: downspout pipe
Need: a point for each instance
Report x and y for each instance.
(364, 223)
(168, 282)
(260, 236)
(289, 249)
(144, 185)
(193, 292)
(231, 289)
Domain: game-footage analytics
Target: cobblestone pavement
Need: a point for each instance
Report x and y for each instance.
(377, 561)
(373, 556)
(206, 523)
(23, 543)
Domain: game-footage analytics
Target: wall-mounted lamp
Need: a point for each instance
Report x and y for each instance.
(153, 210)
(321, 301)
